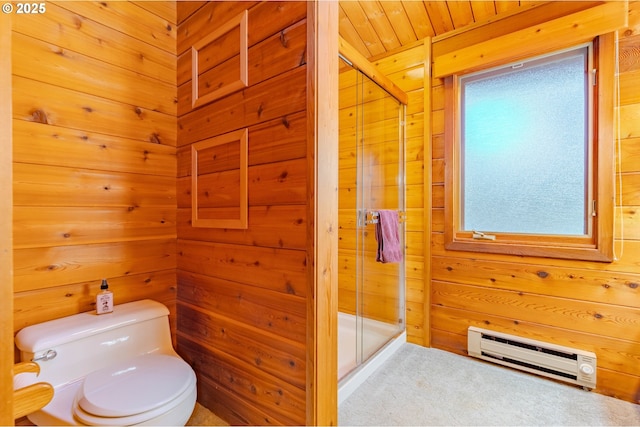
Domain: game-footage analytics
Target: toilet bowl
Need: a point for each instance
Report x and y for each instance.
(115, 369)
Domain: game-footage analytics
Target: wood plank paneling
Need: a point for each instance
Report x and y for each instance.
(39, 102)
(255, 103)
(270, 399)
(285, 51)
(586, 305)
(619, 352)
(528, 42)
(164, 9)
(243, 295)
(6, 227)
(272, 226)
(44, 185)
(40, 305)
(129, 18)
(74, 33)
(561, 282)
(583, 316)
(281, 270)
(273, 141)
(280, 183)
(186, 9)
(265, 309)
(77, 148)
(49, 64)
(274, 355)
(94, 170)
(65, 226)
(44, 267)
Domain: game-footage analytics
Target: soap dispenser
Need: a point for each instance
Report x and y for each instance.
(104, 299)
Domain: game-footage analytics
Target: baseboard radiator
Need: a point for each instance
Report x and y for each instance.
(554, 361)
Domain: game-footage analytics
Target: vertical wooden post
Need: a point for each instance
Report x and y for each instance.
(322, 231)
(6, 218)
(428, 193)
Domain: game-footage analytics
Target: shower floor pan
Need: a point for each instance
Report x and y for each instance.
(380, 335)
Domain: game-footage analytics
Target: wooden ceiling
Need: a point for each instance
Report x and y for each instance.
(377, 27)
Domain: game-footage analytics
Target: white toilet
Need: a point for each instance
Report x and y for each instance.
(111, 369)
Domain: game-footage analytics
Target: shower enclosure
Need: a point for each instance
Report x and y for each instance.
(371, 298)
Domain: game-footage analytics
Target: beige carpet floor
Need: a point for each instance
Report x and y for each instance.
(425, 386)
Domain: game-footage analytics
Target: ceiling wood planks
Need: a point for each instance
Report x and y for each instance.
(377, 27)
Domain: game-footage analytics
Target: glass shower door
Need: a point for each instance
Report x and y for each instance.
(380, 186)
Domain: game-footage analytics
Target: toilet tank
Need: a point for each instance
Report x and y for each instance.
(85, 342)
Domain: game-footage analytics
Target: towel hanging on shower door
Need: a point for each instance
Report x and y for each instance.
(388, 237)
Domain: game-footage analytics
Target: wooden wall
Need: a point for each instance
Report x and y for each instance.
(6, 225)
(243, 294)
(587, 305)
(94, 142)
(406, 69)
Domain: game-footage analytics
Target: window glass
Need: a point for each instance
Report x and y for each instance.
(525, 147)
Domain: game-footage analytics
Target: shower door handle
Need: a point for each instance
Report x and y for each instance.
(365, 217)
(362, 218)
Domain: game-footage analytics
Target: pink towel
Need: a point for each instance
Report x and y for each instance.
(388, 237)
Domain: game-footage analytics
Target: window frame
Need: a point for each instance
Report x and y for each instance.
(598, 245)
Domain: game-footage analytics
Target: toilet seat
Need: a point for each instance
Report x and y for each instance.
(134, 391)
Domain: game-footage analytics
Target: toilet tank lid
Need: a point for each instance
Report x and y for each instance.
(44, 336)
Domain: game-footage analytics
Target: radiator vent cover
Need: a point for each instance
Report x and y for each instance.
(554, 361)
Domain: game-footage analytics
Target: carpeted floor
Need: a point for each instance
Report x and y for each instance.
(424, 386)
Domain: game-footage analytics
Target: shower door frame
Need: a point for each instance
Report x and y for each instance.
(362, 64)
(358, 62)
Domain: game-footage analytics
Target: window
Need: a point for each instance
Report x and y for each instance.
(525, 149)
(525, 157)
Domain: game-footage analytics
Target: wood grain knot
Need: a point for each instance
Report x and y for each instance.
(542, 274)
(39, 116)
(283, 39)
(290, 289)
